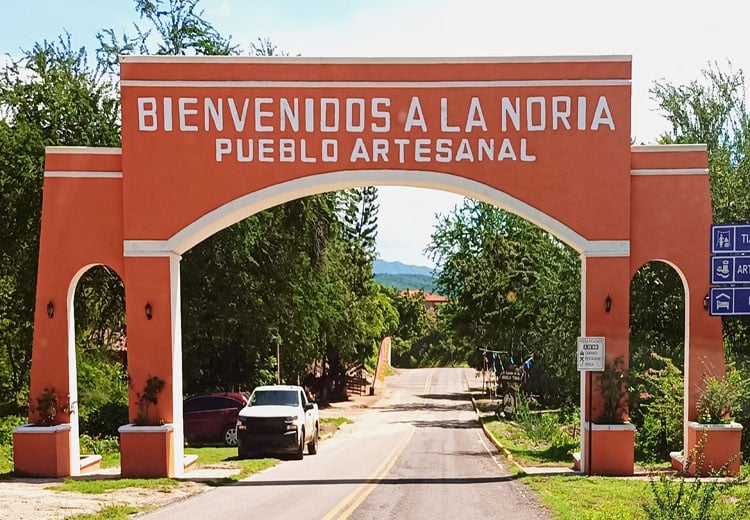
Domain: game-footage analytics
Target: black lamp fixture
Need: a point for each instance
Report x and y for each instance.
(149, 311)
(50, 309)
(706, 302)
(607, 304)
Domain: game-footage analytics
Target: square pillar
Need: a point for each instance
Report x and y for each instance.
(152, 286)
(605, 311)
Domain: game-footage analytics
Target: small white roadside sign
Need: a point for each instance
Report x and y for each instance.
(591, 354)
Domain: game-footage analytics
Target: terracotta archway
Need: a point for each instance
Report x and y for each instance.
(208, 141)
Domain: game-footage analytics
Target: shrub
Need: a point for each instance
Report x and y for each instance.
(542, 426)
(696, 499)
(7, 424)
(721, 399)
(105, 420)
(649, 440)
(660, 404)
(613, 387)
(99, 446)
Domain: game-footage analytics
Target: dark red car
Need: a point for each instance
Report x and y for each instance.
(212, 418)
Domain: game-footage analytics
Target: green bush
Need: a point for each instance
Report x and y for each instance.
(99, 446)
(721, 399)
(649, 440)
(7, 424)
(680, 499)
(103, 421)
(658, 410)
(540, 426)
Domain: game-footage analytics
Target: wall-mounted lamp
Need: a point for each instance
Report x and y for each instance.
(607, 304)
(50, 310)
(706, 302)
(149, 311)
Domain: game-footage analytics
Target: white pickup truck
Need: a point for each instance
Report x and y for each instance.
(278, 419)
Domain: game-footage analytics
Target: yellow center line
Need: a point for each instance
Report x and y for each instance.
(356, 497)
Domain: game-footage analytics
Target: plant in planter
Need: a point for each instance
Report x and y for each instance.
(48, 406)
(611, 438)
(613, 388)
(150, 395)
(714, 441)
(721, 399)
(146, 445)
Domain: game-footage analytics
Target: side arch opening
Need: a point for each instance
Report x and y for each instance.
(97, 343)
(658, 293)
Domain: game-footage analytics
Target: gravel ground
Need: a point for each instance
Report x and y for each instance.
(27, 499)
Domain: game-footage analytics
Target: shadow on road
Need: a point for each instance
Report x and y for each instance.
(385, 481)
(454, 424)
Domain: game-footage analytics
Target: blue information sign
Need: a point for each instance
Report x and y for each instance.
(730, 301)
(730, 269)
(730, 238)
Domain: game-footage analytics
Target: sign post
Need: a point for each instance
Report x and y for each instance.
(591, 356)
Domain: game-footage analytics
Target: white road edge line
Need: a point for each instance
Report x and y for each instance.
(489, 452)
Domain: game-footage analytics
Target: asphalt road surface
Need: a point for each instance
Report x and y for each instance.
(418, 454)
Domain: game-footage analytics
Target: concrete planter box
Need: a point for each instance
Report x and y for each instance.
(721, 448)
(147, 451)
(42, 451)
(612, 449)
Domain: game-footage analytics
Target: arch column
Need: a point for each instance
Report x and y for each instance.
(605, 449)
(155, 447)
(50, 451)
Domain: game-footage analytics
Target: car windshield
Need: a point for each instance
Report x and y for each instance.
(274, 397)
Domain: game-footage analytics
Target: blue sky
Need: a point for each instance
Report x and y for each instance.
(668, 39)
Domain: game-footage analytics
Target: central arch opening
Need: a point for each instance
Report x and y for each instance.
(248, 338)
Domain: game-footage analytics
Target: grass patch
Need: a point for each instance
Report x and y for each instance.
(99, 486)
(526, 451)
(592, 498)
(330, 425)
(336, 421)
(227, 458)
(110, 459)
(108, 513)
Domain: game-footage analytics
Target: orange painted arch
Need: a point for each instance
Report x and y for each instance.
(208, 141)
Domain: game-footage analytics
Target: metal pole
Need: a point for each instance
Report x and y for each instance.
(591, 425)
(278, 363)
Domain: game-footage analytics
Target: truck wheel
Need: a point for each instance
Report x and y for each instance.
(312, 448)
(300, 447)
(230, 436)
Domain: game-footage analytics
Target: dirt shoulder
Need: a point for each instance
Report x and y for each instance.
(32, 499)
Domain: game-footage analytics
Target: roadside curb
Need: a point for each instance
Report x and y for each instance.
(507, 454)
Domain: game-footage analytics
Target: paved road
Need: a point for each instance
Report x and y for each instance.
(418, 454)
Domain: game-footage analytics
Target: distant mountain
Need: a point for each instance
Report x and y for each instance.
(403, 276)
(384, 267)
(407, 281)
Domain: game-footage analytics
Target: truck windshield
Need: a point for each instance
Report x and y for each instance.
(274, 398)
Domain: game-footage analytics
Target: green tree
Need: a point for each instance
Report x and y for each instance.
(513, 288)
(49, 97)
(179, 27)
(712, 110)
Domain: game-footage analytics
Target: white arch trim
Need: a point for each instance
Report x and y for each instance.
(242, 207)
